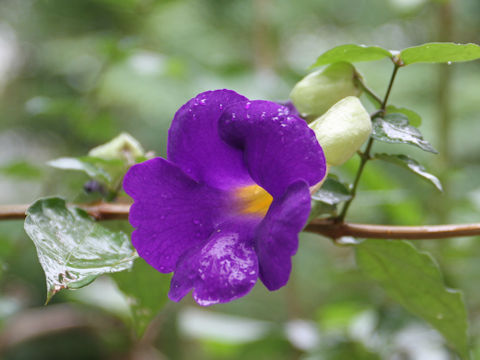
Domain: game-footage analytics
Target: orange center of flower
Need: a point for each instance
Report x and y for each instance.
(254, 200)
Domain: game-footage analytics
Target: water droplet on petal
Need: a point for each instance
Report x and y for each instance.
(247, 104)
(203, 102)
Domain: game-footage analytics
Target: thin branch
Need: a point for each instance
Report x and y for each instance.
(335, 230)
(363, 161)
(100, 211)
(390, 86)
(366, 154)
(326, 227)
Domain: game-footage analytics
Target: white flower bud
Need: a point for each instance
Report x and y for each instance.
(124, 146)
(342, 130)
(318, 91)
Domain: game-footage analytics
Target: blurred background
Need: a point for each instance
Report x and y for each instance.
(74, 74)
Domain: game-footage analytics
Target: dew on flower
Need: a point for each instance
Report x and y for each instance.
(235, 180)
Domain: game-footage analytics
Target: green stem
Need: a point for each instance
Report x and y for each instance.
(390, 85)
(369, 92)
(365, 156)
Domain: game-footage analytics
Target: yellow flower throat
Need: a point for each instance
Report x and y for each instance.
(254, 200)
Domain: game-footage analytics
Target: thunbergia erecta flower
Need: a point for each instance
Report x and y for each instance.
(227, 205)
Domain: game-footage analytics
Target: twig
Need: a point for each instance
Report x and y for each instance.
(326, 227)
(366, 154)
(336, 230)
(100, 211)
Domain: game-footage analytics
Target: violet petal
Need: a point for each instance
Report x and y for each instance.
(279, 148)
(222, 269)
(277, 235)
(172, 212)
(195, 146)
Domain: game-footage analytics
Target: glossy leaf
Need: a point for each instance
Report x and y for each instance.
(332, 192)
(412, 165)
(413, 279)
(321, 209)
(440, 53)
(395, 129)
(413, 118)
(72, 248)
(107, 171)
(85, 164)
(146, 290)
(352, 53)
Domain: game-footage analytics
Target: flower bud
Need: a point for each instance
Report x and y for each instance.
(124, 146)
(342, 130)
(318, 91)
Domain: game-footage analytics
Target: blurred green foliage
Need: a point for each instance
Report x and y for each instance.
(74, 74)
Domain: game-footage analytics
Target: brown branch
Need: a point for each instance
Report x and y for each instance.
(326, 227)
(100, 211)
(336, 230)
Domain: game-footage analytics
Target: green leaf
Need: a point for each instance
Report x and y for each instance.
(146, 290)
(440, 53)
(332, 192)
(22, 170)
(413, 118)
(85, 164)
(412, 165)
(351, 53)
(395, 129)
(413, 279)
(72, 248)
(320, 208)
(107, 171)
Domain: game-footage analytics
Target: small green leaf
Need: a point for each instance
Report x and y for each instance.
(146, 290)
(332, 192)
(22, 170)
(413, 279)
(72, 248)
(395, 129)
(321, 209)
(440, 53)
(352, 53)
(85, 164)
(107, 171)
(412, 165)
(413, 118)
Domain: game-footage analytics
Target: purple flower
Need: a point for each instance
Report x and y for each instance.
(227, 205)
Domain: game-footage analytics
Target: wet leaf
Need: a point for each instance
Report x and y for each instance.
(440, 53)
(351, 53)
(146, 290)
(85, 164)
(412, 165)
(413, 279)
(72, 248)
(395, 129)
(107, 171)
(332, 192)
(413, 118)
